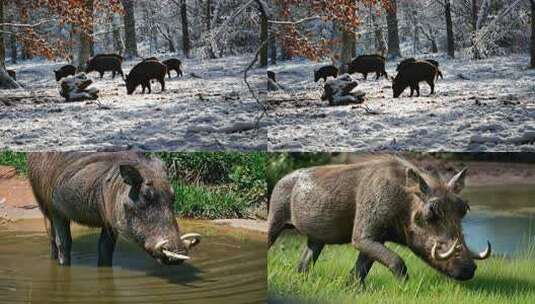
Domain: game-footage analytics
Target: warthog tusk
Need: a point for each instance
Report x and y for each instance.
(191, 239)
(443, 256)
(484, 254)
(175, 255)
(160, 244)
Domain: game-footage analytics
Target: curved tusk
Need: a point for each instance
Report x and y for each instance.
(483, 255)
(190, 236)
(191, 239)
(160, 244)
(446, 255)
(175, 255)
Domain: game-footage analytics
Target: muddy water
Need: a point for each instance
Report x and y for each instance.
(505, 215)
(225, 268)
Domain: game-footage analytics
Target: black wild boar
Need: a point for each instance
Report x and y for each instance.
(123, 193)
(143, 73)
(366, 64)
(377, 199)
(103, 63)
(412, 74)
(325, 72)
(173, 64)
(65, 71)
(405, 62)
(12, 74)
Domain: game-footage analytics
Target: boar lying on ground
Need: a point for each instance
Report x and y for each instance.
(65, 71)
(405, 62)
(123, 193)
(325, 72)
(412, 74)
(105, 63)
(12, 74)
(377, 199)
(366, 64)
(143, 73)
(173, 64)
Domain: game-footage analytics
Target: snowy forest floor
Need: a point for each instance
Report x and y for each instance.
(492, 109)
(213, 113)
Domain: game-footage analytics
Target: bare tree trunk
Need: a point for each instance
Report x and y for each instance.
(186, 44)
(264, 39)
(532, 44)
(449, 29)
(393, 34)
(130, 29)
(13, 42)
(380, 46)
(6, 82)
(84, 51)
(474, 15)
(348, 46)
(118, 44)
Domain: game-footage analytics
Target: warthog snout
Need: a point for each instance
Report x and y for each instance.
(456, 247)
(168, 254)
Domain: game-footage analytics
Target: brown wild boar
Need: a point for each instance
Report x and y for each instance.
(411, 75)
(378, 199)
(325, 72)
(143, 73)
(366, 64)
(12, 74)
(173, 64)
(103, 63)
(405, 62)
(65, 71)
(123, 193)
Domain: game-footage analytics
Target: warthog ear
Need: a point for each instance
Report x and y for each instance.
(414, 177)
(456, 184)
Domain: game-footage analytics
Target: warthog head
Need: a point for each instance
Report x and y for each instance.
(146, 214)
(435, 231)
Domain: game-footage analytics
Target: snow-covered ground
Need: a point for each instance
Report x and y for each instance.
(491, 109)
(213, 113)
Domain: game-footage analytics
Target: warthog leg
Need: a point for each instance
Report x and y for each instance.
(362, 268)
(106, 246)
(62, 229)
(311, 252)
(378, 252)
(52, 237)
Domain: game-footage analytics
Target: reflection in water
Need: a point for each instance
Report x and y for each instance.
(223, 269)
(505, 215)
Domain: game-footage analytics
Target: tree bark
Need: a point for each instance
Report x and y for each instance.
(393, 32)
(84, 52)
(264, 39)
(2, 46)
(118, 44)
(449, 29)
(186, 44)
(474, 15)
(130, 29)
(532, 43)
(348, 46)
(6, 82)
(380, 46)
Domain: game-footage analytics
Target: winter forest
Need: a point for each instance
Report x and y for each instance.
(242, 74)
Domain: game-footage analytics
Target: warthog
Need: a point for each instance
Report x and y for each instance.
(123, 193)
(378, 199)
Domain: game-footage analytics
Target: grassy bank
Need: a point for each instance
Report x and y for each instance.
(207, 184)
(498, 280)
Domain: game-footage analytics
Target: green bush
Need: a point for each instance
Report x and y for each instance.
(14, 159)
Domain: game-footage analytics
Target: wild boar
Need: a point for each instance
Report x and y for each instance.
(12, 74)
(378, 199)
(103, 63)
(143, 73)
(325, 72)
(173, 64)
(121, 192)
(65, 71)
(412, 74)
(368, 64)
(405, 62)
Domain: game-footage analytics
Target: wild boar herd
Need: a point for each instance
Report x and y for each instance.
(410, 72)
(141, 74)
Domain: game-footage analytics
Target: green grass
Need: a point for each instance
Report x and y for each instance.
(14, 159)
(497, 280)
